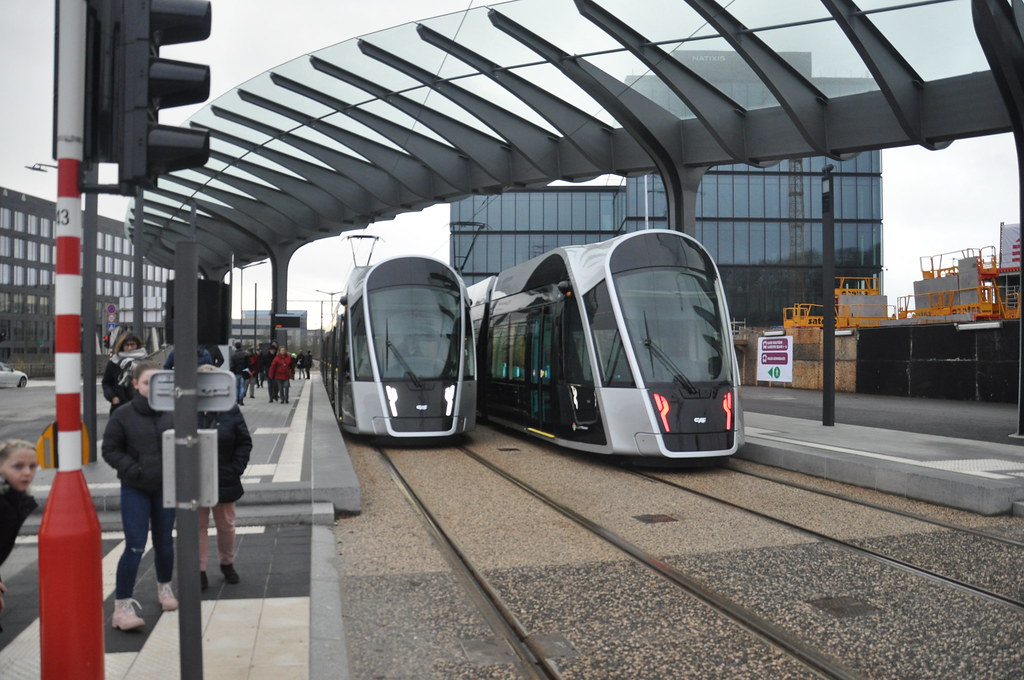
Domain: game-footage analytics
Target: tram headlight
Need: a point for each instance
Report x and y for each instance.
(392, 400)
(727, 407)
(449, 399)
(661, 403)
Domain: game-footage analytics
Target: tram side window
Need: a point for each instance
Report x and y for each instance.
(517, 347)
(578, 369)
(360, 348)
(611, 355)
(499, 348)
(468, 350)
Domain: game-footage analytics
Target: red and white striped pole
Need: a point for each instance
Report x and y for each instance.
(70, 553)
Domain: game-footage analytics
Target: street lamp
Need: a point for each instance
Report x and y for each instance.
(40, 167)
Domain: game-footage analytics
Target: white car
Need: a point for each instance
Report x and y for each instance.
(11, 378)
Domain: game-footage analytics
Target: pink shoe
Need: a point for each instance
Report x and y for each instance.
(125, 617)
(166, 596)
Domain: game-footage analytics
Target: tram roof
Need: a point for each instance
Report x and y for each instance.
(523, 93)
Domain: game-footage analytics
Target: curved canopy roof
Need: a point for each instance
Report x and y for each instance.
(527, 92)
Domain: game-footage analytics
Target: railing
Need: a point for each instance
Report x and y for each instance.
(947, 264)
(981, 302)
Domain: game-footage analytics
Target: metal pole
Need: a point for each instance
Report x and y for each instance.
(71, 617)
(255, 338)
(89, 314)
(138, 288)
(186, 457)
(828, 300)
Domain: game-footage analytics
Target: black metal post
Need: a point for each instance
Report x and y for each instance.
(828, 300)
(90, 227)
(186, 458)
(138, 288)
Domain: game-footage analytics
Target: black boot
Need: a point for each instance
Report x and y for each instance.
(204, 582)
(230, 575)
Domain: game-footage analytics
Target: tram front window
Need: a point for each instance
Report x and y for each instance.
(416, 332)
(674, 324)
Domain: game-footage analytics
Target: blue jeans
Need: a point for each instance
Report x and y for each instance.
(240, 382)
(139, 510)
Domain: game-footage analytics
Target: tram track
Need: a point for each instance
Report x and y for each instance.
(530, 659)
(821, 664)
(879, 557)
(530, 522)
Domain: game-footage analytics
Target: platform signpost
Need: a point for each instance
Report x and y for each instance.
(70, 551)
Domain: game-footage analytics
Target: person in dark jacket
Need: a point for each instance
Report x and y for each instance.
(202, 358)
(18, 467)
(234, 444)
(117, 376)
(240, 367)
(132, 445)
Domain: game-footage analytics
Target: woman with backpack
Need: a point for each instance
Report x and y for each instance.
(117, 377)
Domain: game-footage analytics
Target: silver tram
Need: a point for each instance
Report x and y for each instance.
(398, 357)
(620, 347)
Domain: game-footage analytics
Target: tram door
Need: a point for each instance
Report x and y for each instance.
(541, 383)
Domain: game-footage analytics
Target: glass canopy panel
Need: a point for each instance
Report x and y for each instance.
(660, 21)
(938, 40)
(717, 63)
(634, 74)
(821, 53)
(474, 30)
(490, 91)
(756, 14)
(384, 110)
(559, 23)
(187, 191)
(549, 78)
(286, 148)
(404, 42)
(348, 57)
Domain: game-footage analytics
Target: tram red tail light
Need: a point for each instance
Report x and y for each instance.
(727, 407)
(661, 403)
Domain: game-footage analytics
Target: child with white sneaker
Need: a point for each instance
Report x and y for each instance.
(132, 445)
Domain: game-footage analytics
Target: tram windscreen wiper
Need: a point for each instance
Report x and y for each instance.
(405, 364)
(656, 351)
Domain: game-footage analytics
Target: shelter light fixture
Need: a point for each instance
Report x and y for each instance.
(773, 334)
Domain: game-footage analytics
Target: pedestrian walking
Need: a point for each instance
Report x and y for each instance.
(309, 363)
(254, 372)
(234, 444)
(117, 376)
(18, 467)
(239, 366)
(281, 373)
(266, 359)
(133, 446)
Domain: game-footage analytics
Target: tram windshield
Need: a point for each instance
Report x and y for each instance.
(416, 332)
(674, 322)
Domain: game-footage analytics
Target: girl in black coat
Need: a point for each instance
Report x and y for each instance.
(117, 376)
(18, 467)
(234, 444)
(133, 445)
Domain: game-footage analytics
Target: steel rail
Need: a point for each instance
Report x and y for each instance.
(877, 556)
(877, 506)
(531, 659)
(819, 663)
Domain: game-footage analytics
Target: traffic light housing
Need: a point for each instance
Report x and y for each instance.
(127, 84)
(150, 84)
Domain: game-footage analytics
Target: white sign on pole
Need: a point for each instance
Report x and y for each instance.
(775, 359)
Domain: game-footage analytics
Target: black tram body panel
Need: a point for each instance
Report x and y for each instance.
(621, 347)
(398, 356)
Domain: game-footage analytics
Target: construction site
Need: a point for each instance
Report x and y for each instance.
(956, 337)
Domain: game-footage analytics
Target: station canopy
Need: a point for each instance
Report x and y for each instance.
(523, 93)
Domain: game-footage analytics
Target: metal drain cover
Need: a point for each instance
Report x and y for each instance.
(487, 652)
(843, 607)
(654, 519)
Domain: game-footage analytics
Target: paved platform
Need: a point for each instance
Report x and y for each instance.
(980, 476)
(298, 480)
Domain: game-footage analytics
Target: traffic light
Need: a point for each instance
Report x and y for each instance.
(144, 84)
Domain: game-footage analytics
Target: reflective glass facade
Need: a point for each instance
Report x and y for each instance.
(762, 226)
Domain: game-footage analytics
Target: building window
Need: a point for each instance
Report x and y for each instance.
(19, 249)
(6, 218)
(5, 274)
(45, 227)
(19, 276)
(33, 251)
(33, 225)
(19, 221)
(5, 246)
(32, 277)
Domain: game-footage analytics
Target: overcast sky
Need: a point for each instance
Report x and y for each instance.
(933, 202)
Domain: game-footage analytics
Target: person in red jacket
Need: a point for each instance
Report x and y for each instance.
(281, 372)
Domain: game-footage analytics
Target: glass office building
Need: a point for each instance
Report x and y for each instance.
(27, 257)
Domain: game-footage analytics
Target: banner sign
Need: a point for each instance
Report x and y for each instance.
(775, 359)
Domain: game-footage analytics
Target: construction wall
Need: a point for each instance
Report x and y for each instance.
(937, 361)
(806, 361)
